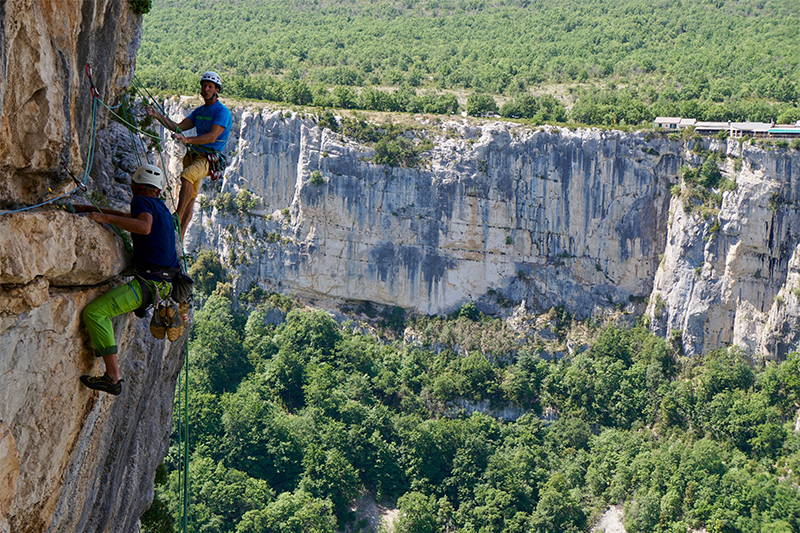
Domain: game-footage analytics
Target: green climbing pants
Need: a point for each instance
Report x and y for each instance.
(120, 300)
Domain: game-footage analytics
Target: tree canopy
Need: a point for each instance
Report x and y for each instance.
(314, 414)
(618, 62)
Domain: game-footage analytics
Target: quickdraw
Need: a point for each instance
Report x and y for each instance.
(216, 164)
(90, 74)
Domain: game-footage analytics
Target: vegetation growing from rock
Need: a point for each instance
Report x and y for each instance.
(702, 187)
(395, 145)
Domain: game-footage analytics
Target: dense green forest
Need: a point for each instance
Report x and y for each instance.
(605, 61)
(294, 416)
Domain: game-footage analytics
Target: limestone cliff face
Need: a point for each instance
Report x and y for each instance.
(502, 213)
(552, 216)
(71, 460)
(733, 278)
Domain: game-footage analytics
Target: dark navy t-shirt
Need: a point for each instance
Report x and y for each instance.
(158, 248)
(206, 116)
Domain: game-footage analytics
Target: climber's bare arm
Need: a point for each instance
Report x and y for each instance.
(80, 208)
(141, 224)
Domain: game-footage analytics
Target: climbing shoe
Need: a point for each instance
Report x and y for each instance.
(102, 383)
(175, 328)
(166, 322)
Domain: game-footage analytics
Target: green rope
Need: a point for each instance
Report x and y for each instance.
(183, 384)
(133, 127)
(185, 495)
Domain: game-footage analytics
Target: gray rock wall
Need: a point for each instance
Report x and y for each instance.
(731, 278)
(499, 213)
(553, 216)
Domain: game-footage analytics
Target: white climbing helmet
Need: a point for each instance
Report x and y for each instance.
(212, 77)
(148, 174)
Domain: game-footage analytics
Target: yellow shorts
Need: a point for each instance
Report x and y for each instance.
(195, 168)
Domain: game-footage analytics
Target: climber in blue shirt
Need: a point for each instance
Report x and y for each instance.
(212, 122)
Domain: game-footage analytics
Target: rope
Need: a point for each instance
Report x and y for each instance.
(126, 106)
(50, 201)
(185, 495)
(132, 127)
(135, 148)
(183, 429)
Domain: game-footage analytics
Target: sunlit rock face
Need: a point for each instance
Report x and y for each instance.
(501, 213)
(553, 216)
(45, 108)
(732, 279)
(71, 460)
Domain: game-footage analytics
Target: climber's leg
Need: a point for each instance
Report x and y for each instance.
(97, 319)
(195, 168)
(186, 204)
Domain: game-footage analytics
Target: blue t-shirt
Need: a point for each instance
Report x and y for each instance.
(206, 116)
(157, 249)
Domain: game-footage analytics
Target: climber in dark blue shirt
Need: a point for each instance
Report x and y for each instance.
(155, 259)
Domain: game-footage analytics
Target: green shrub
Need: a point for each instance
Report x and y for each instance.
(328, 120)
(141, 7)
(316, 178)
(481, 105)
(245, 201)
(396, 152)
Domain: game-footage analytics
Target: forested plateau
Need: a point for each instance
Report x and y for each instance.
(587, 61)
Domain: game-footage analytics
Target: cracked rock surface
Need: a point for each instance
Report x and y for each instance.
(71, 459)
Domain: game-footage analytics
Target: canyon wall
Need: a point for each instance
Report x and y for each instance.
(729, 276)
(500, 213)
(551, 216)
